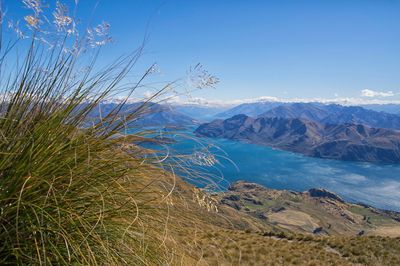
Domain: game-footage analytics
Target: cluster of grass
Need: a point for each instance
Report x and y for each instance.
(68, 194)
(72, 193)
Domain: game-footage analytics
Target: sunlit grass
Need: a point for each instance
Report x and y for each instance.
(72, 191)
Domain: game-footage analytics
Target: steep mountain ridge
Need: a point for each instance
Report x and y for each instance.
(335, 114)
(352, 142)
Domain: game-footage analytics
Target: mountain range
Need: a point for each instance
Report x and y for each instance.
(192, 114)
(335, 114)
(314, 129)
(149, 114)
(354, 142)
(257, 108)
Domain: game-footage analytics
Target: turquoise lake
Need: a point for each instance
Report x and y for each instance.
(377, 185)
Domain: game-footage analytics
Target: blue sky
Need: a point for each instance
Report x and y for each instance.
(282, 48)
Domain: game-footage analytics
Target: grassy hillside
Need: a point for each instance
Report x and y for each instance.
(208, 232)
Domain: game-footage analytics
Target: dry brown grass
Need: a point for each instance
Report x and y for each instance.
(230, 237)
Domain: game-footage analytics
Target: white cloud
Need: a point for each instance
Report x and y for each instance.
(371, 93)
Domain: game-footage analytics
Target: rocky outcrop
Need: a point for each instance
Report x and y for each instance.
(323, 193)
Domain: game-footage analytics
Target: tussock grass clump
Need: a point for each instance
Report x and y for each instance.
(73, 190)
(68, 194)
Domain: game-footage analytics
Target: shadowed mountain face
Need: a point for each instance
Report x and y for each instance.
(335, 114)
(343, 142)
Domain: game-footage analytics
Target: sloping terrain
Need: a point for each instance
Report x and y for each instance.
(148, 114)
(335, 114)
(382, 116)
(343, 142)
(208, 229)
(316, 211)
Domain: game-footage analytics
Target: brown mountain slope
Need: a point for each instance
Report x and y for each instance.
(342, 142)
